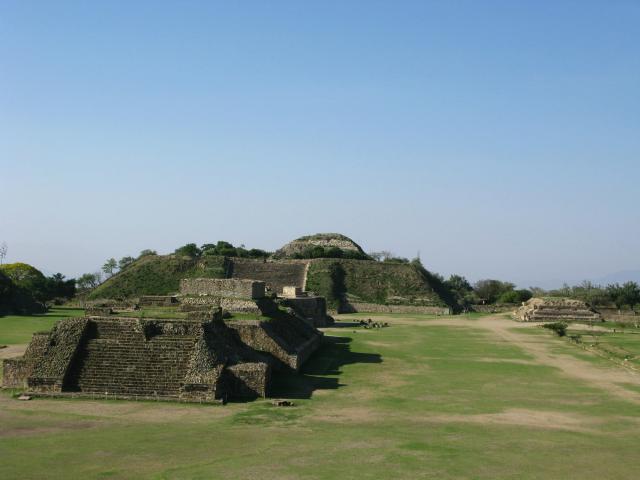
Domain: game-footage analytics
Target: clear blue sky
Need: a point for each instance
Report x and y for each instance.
(498, 138)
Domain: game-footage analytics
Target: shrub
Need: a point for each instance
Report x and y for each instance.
(515, 296)
(189, 250)
(560, 328)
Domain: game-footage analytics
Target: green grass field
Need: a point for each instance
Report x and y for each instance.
(17, 329)
(428, 397)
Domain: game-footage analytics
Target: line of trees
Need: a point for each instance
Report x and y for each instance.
(619, 295)
(220, 248)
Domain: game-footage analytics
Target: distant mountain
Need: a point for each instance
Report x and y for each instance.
(619, 277)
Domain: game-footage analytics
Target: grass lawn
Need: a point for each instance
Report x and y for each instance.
(17, 329)
(425, 398)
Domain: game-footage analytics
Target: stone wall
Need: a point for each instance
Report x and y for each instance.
(360, 307)
(276, 275)
(262, 306)
(288, 342)
(249, 380)
(63, 343)
(15, 372)
(223, 287)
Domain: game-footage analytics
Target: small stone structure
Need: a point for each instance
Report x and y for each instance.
(555, 310)
(201, 359)
(233, 295)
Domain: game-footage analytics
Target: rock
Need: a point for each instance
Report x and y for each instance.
(24, 397)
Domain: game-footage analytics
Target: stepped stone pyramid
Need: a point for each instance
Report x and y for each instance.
(201, 359)
(555, 310)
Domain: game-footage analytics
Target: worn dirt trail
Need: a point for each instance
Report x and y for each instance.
(11, 351)
(607, 378)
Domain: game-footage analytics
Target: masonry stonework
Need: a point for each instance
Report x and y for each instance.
(223, 287)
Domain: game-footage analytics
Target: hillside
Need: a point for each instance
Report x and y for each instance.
(374, 282)
(157, 275)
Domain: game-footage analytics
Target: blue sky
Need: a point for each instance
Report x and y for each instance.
(497, 138)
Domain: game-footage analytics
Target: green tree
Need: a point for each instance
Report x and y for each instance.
(28, 280)
(59, 287)
(89, 281)
(110, 266)
(490, 290)
(188, 250)
(124, 262)
(147, 252)
(515, 296)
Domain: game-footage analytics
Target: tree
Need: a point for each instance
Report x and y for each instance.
(29, 280)
(147, 252)
(3, 252)
(459, 284)
(89, 281)
(58, 287)
(188, 250)
(125, 262)
(109, 266)
(490, 290)
(515, 296)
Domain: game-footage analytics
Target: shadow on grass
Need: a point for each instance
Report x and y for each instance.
(318, 373)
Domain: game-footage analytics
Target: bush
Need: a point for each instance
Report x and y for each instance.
(189, 250)
(560, 328)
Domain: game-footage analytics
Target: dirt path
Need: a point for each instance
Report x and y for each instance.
(540, 347)
(11, 351)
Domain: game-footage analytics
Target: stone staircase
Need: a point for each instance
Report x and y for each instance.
(116, 358)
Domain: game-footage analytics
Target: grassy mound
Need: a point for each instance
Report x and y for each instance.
(158, 275)
(373, 282)
(322, 245)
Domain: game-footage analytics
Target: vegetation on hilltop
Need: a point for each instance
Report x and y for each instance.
(322, 245)
(221, 248)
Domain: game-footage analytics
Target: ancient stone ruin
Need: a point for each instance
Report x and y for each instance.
(249, 296)
(311, 308)
(556, 310)
(199, 359)
(276, 275)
